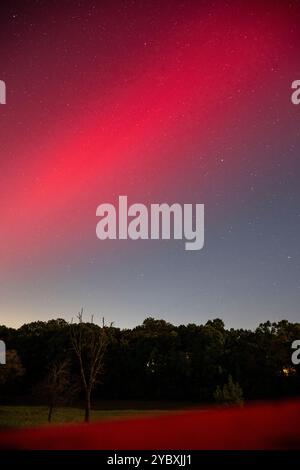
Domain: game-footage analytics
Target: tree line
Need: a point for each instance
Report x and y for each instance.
(57, 362)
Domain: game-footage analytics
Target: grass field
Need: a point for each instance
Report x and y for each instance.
(16, 416)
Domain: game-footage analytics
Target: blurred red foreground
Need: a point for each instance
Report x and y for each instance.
(259, 426)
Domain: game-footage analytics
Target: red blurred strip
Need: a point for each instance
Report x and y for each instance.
(260, 426)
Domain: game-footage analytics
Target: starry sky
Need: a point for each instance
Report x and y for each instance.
(182, 101)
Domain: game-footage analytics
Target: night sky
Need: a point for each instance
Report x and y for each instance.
(183, 101)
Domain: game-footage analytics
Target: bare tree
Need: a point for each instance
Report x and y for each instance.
(55, 388)
(89, 342)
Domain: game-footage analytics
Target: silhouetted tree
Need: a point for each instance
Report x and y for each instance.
(89, 342)
(56, 387)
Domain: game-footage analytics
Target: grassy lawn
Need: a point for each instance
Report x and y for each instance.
(16, 416)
